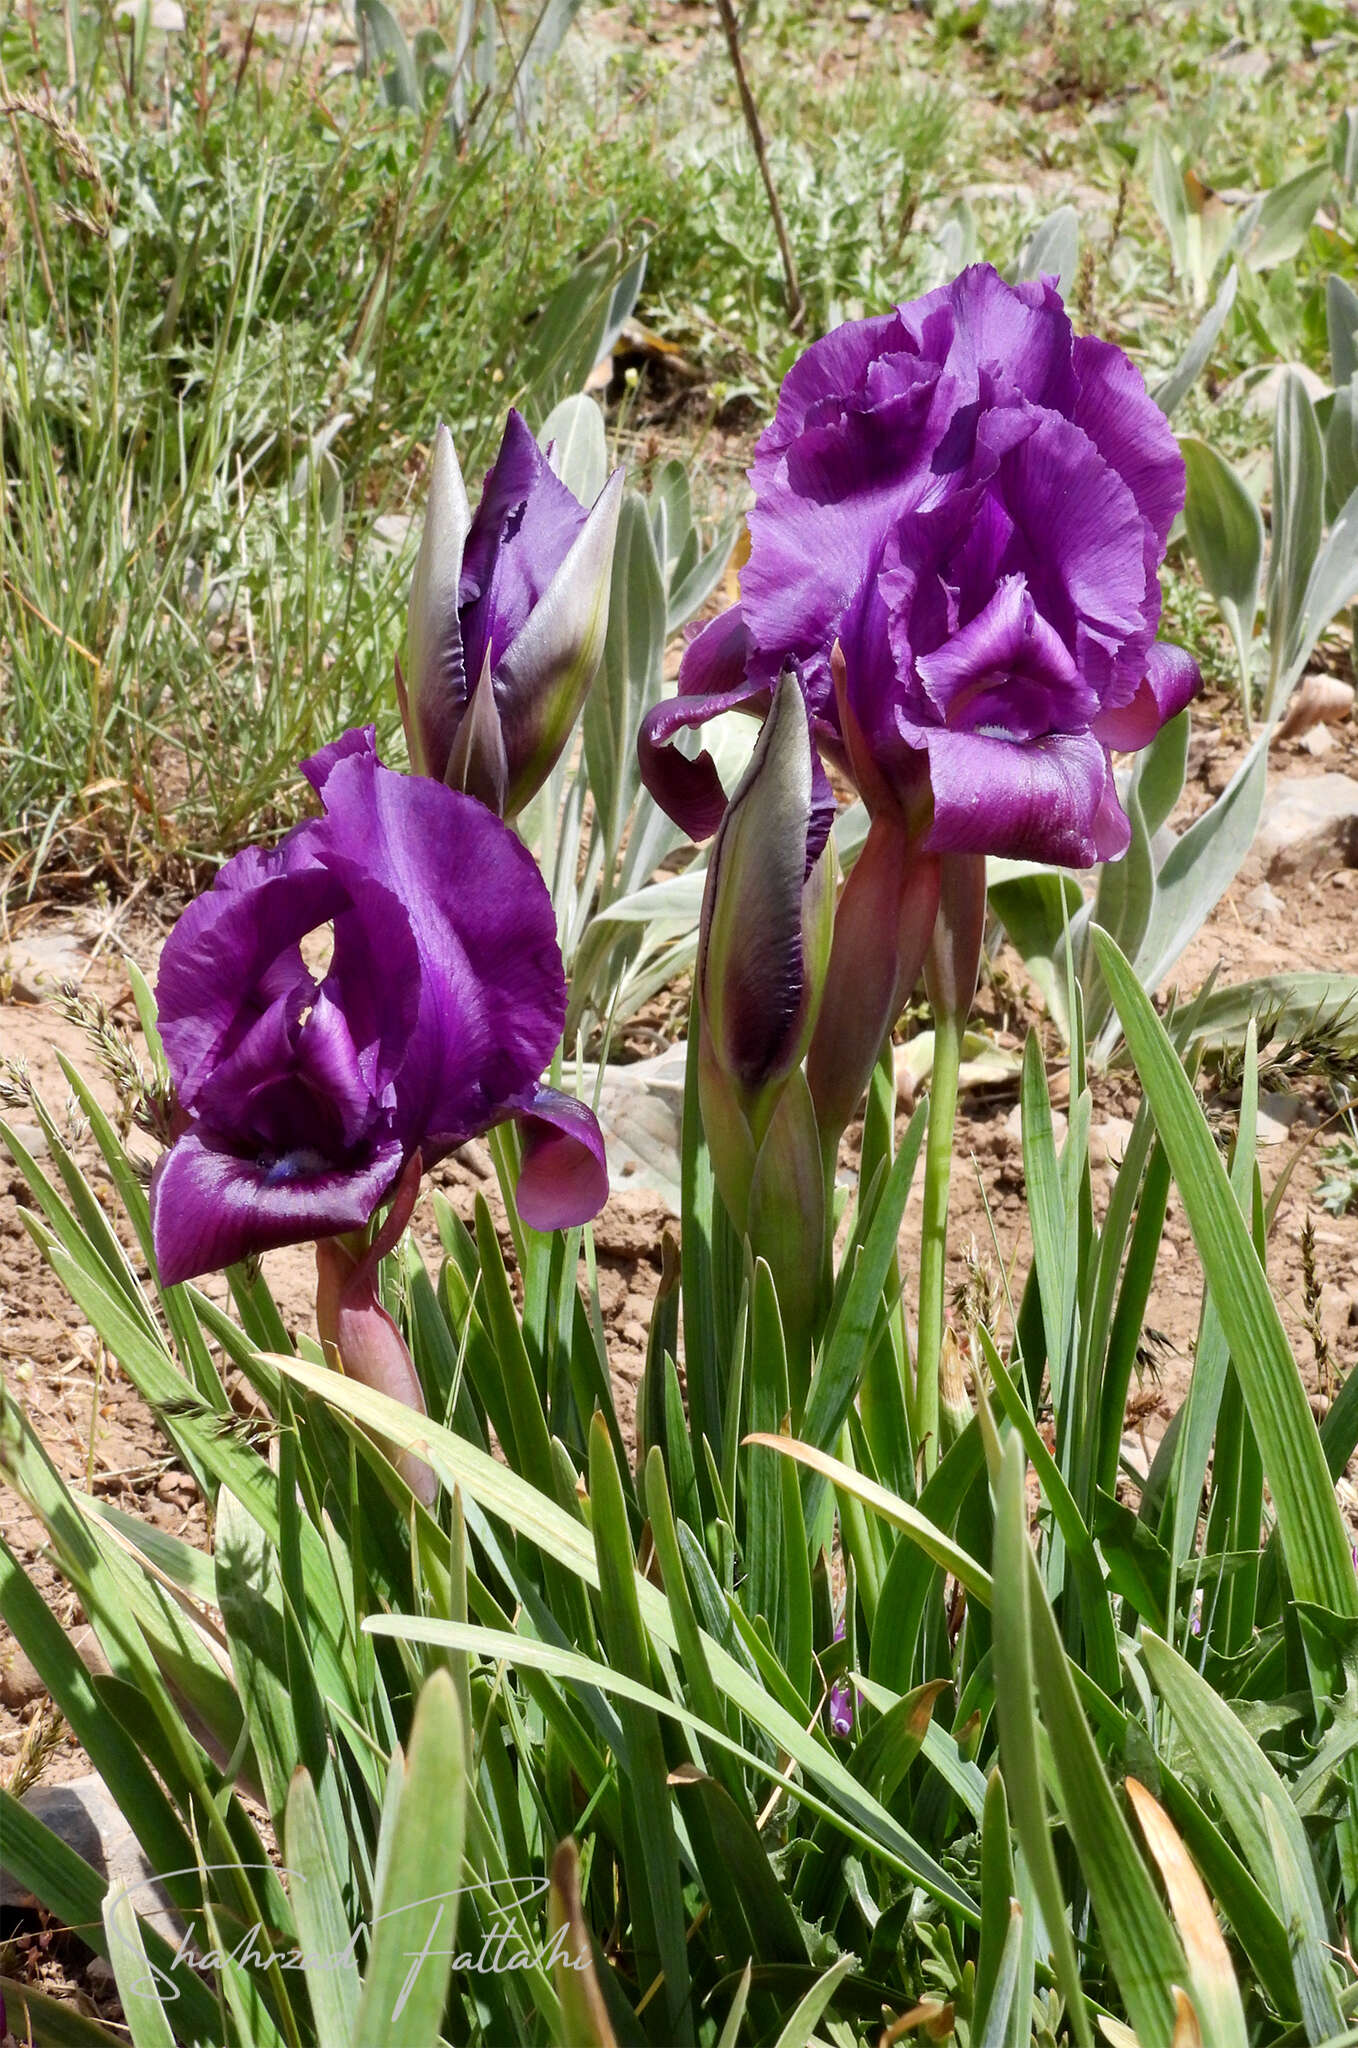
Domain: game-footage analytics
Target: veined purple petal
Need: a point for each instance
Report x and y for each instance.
(441, 1003)
(974, 504)
(978, 323)
(1045, 800)
(231, 955)
(835, 364)
(1079, 537)
(564, 1176)
(492, 996)
(1007, 672)
(1133, 436)
(1171, 681)
(210, 1207)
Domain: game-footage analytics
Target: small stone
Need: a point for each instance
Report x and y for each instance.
(1264, 901)
(1246, 64)
(20, 1684)
(1317, 701)
(33, 969)
(84, 1815)
(641, 1113)
(1318, 742)
(1277, 1114)
(1134, 1454)
(1108, 1141)
(1309, 823)
(31, 1138)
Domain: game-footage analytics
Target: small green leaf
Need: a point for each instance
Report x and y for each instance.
(322, 1923)
(405, 1985)
(1016, 1717)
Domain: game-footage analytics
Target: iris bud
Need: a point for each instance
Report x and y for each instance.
(507, 620)
(763, 947)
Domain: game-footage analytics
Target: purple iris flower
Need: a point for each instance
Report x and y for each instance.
(508, 614)
(306, 1089)
(840, 1707)
(973, 503)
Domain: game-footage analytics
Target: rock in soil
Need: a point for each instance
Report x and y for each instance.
(1309, 822)
(84, 1815)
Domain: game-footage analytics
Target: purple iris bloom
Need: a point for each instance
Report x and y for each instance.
(840, 1708)
(508, 614)
(305, 1088)
(973, 502)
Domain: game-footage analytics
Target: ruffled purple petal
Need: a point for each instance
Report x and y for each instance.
(564, 1176)
(1133, 436)
(1007, 671)
(233, 954)
(837, 363)
(1171, 681)
(242, 1016)
(821, 514)
(978, 323)
(210, 1207)
(1079, 537)
(492, 995)
(1043, 800)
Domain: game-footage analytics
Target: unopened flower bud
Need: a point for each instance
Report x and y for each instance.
(508, 613)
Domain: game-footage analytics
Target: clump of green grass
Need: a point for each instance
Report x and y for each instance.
(237, 306)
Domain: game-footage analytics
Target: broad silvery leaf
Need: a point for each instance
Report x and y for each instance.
(1226, 535)
(1171, 389)
(1298, 507)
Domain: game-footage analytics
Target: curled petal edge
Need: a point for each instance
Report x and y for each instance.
(1171, 681)
(563, 1179)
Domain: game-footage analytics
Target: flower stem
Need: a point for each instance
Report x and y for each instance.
(948, 1030)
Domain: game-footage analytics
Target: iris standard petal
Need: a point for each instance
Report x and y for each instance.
(1079, 538)
(219, 968)
(492, 991)
(1133, 436)
(977, 322)
(563, 1179)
